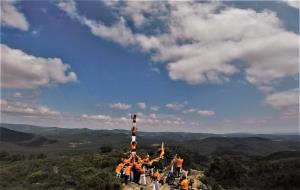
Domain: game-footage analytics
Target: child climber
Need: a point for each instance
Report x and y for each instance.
(134, 128)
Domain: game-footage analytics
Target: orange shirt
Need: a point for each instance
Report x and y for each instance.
(179, 162)
(126, 161)
(128, 170)
(119, 167)
(184, 184)
(139, 167)
(156, 175)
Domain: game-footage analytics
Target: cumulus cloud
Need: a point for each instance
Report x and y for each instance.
(151, 120)
(12, 17)
(205, 113)
(96, 117)
(142, 105)
(287, 102)
(21, 70)
(283, 99)
(175, 106)
(120, 106)
(293, 3)
(154, 108)
(191, 110)
(26, 109)
(198, 46)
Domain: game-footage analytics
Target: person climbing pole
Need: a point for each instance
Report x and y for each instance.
(134, 128)
(184, 183)
(179, 164)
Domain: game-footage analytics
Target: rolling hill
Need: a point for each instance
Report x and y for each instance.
(22, 138)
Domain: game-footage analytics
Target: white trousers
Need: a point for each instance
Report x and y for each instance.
(143, 179)
(133, 154)
(155, 185)
(133, 138)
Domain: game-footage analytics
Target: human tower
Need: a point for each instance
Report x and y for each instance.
(135, 168)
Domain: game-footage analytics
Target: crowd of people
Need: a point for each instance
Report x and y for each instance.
(177, 171)
(134, 168)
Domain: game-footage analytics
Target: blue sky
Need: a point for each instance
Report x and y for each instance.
(193, 67)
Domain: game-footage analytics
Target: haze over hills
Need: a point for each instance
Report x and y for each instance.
(167, 135)
(87, 140)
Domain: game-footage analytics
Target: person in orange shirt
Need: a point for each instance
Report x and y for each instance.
(179, 164)
(127, 173)
(140, 168)
(184, 183)
(127, 160)
(146, 161)
(156, 179)
(119, 169)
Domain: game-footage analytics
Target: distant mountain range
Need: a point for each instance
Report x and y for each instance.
(22, 138)
(62, 140)
(179, 136)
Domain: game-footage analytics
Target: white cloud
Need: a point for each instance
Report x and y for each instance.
(175, 106)
(118, 32)
(152, 116)
(120, 106)
(287, 102)
(206, 113)
(18, 95)
(142, 105)
(21, 70)
(283, 99)
(293, 3)
(197, 44)
(96, 117)
(154, 108)
(11, 17)
(191, 110)
(26, 109)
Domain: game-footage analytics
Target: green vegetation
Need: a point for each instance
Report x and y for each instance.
(277, 171)
(90, 171)
(85, 159)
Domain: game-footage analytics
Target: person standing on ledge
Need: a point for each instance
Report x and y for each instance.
(179, 164)
(134, 128)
